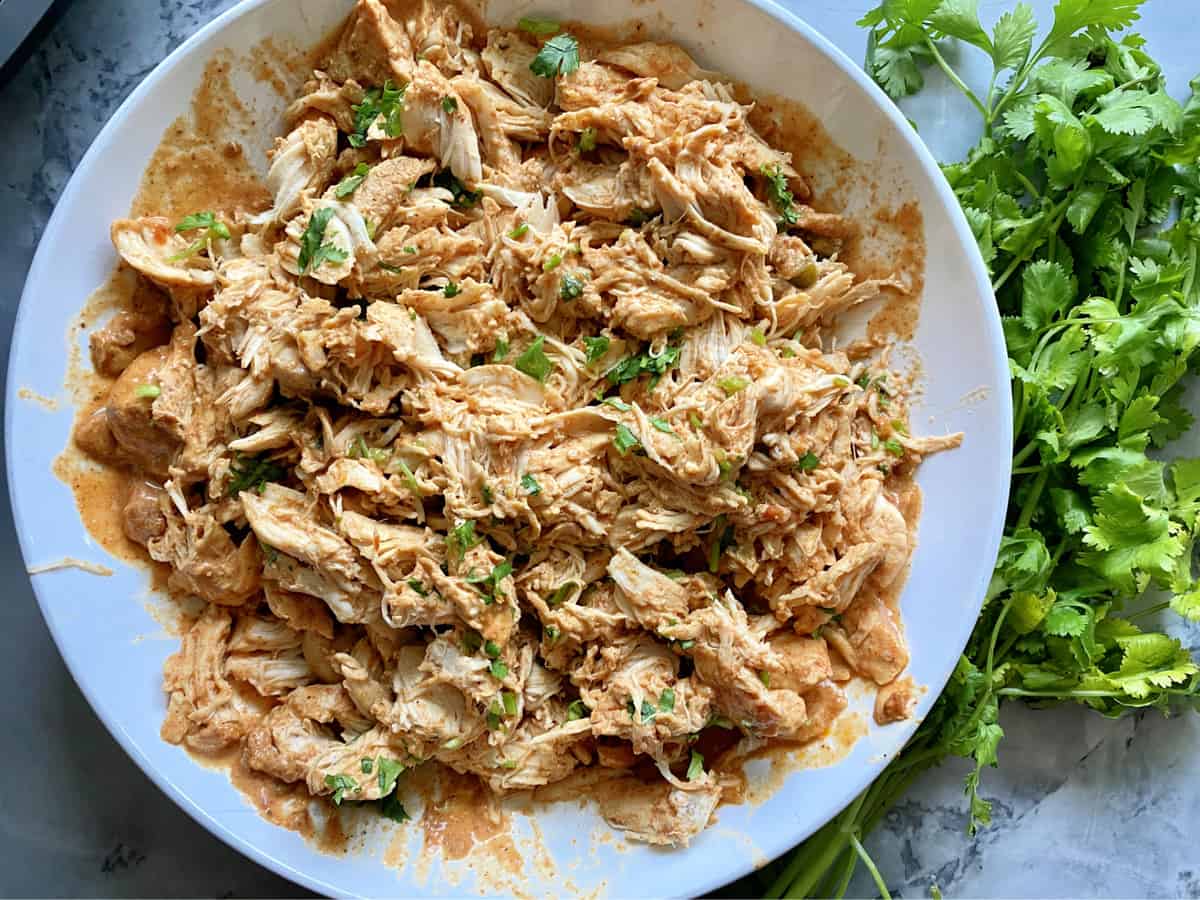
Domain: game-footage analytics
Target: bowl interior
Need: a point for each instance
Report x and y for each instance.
(116, 656)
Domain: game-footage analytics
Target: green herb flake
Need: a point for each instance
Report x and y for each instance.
(389, 772)
(576, 709)
(695, 767)
(558, 56)
(417, 587)
(499, 669)
(449, 104)
(570, 287)
(463, 198)
(530, 484)
(313, 249)
(206, 222)
(625, 440)
(562, 593)
(509, 699)
(519, 232)
(780, 195)
(342, 785)
(808, 462)
(251, 473)
(587, 140)
(553, 261)
(662, 425)
(758, 338)
(462, 538)
(147, 391)
(732, 384)
(596, 347)
(666, 700)
(350, 183)
(451, 290)
(534, 362)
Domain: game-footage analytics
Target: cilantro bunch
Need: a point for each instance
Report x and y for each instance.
(1084, 196)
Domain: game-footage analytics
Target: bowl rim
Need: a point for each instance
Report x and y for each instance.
(991, 532)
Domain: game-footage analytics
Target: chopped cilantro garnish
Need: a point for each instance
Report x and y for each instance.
(722, 539)
(485, 491)
(530, 484)
(894, 447)
(781, 196)
(367, 765)
(499, 669)
(488, 584)
(390, 807)
(410, 249)
(662, 425)
(251, 473)
(207, 222)
(451, 290)
(758, 338)
(491, 649)
(617, 403)
(587, 140)
(643, 363)
(463, 198)
(576, 709)
(313, 249)
(418, 588)
(350, 183)
(462, 537)
(562, 593)
(695, 767)
(666, 700)
(596, 347)
(534, 362)
(388, 102)
(558, 56)
(570, 287)
(732, 384)
(808, 462)
(625, 440)
(509, 699)
(449, 104)
(501, 351)
(341, 784)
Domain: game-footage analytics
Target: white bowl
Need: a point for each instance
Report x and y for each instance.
(97, 621)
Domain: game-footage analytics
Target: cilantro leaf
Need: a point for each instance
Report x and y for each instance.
(534, 362)
(558, 56)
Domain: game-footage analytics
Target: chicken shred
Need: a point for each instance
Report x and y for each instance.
(514, 435)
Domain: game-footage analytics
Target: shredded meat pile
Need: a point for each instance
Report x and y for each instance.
(511, 436)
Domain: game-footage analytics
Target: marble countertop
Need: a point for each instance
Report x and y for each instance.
(1083, 806)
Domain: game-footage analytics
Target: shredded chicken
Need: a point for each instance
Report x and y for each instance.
(514, 434)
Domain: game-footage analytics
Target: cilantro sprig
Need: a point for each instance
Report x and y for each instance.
(1083, 156)
(210, 227)
(314, 250)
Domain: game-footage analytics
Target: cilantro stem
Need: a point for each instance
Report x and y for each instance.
(1031, 502)
(871, 867)
(830, 844)
(953, 76)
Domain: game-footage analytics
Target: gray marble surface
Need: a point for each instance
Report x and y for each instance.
(1083, 806)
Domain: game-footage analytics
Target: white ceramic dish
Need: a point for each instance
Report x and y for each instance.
(97, 621)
